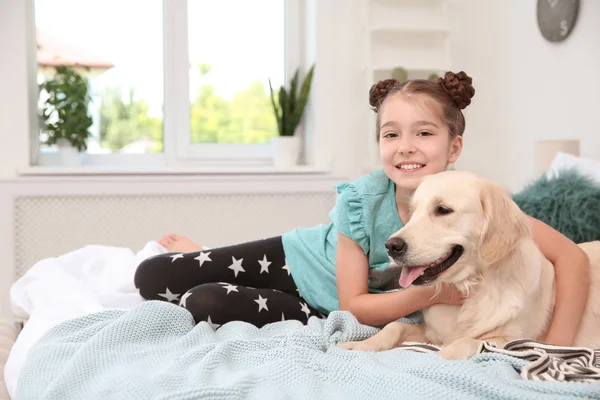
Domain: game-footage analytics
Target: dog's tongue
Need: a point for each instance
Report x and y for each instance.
(409, 275)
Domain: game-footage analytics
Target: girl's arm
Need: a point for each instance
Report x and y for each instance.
(571, 266)
(352, 269)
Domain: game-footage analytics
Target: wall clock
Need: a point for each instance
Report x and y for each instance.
(556, 18)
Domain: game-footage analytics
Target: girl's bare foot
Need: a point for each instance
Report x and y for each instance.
(179, 244)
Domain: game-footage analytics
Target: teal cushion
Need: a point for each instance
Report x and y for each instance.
(570, 203)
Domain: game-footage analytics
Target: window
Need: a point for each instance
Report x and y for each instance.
(170, 81)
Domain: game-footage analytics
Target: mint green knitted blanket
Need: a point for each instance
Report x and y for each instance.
(156, 352)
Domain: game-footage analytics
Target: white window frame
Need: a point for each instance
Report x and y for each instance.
(178, 149)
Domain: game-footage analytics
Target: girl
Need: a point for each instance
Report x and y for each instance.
(313, 271)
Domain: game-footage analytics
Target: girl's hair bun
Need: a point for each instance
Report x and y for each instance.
(379, 91)
(459, 87)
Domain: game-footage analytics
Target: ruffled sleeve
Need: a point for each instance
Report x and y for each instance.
(348, 215)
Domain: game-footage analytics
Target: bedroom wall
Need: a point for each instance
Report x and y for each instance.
(528, 89)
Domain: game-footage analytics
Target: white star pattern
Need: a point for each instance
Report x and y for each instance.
(236, 266)
(286, 267)
(184, 298)
(264, 264)
(170, 296)
(203, 257)
(262, 303)
(212, 324)
(305, 309)
(299, 294)
(176, 256)
(230, 288)
(282, 317)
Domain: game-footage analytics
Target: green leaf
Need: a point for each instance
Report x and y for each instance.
(67, 107)
(276, 110)
(303, 99)
(285, 110)
(293, 91)
(291, 103)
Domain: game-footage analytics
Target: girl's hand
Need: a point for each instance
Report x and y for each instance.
(448, 294)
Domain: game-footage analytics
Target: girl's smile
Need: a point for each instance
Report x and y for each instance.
(410, 167)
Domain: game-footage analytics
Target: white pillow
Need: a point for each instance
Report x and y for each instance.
(585, 166)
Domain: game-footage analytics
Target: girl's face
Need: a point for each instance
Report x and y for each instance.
(414, 140)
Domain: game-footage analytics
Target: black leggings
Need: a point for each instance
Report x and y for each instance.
(248, 282)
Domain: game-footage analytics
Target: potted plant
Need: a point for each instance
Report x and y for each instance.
(289, 109)
(65, 115)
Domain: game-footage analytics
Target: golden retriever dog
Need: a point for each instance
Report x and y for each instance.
(466, 230)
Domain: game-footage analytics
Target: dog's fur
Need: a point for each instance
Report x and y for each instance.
(508, 284)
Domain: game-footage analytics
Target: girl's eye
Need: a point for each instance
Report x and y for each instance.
(390, 135)
(425, 133)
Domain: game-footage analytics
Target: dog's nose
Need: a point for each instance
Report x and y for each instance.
(396, 247)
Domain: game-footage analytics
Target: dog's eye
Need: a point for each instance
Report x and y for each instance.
(441, 210)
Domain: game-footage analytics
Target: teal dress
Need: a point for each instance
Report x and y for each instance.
(365, 211)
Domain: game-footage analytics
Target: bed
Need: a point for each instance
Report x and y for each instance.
(8, 335)
(88, 334)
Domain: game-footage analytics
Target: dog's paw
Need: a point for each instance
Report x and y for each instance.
(357, 345)
(449, 354)
(461, 349)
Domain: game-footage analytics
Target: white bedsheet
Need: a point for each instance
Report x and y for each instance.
(90, 279)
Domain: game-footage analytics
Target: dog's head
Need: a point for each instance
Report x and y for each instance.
(460, 223)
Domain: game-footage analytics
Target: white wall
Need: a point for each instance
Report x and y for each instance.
(14, 109)
(527, 89)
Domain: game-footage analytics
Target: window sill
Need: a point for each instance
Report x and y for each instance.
(167, 179)
(122, 170)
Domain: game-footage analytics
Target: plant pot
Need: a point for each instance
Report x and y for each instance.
(286, 151)
(68, 154)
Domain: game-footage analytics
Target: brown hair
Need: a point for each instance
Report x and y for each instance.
(452, 93)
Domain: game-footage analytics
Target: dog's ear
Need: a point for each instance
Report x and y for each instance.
(504, 224)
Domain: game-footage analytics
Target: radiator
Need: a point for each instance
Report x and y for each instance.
(48, 226)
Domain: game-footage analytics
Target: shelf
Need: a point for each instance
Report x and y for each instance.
(414, 14)
(410, 3)
(386, 73)
(412, 61)
(408, 29)
(413, 68)
(413, 52)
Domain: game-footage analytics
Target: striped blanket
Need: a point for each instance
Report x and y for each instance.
(547, 362)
